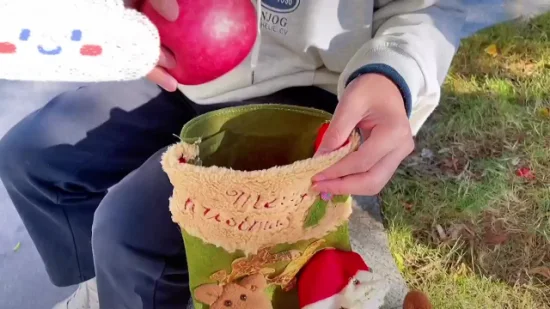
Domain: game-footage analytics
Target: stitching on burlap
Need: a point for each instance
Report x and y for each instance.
(202, 191)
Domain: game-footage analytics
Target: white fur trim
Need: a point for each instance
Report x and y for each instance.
(327, 303)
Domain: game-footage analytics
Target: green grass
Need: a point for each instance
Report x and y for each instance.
(463, 226)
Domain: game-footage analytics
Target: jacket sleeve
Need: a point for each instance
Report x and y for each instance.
(413, 46)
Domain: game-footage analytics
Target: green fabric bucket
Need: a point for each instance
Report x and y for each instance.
(242, 198)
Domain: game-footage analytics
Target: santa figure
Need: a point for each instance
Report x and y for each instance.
(335, 279)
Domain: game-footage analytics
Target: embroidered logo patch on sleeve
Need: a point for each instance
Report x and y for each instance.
(75, 41)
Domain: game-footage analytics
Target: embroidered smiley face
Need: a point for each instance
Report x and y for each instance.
(85, 41)
(76, 36)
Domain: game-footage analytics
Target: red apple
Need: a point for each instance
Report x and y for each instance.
(209, 38)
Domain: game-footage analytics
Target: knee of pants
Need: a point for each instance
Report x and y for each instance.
(16, 158)
(134, 217)
(27, 162)
(108, 231)
(113, 230)
(115, 259)
(137, 252)
(39, 149)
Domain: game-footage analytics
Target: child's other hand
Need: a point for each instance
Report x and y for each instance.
(374, 104)
(159, 75)
(169, 9)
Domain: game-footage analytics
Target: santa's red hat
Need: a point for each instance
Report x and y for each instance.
(326, 275)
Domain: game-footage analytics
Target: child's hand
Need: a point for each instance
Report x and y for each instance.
(169, 9)
(374, 104)
(159, 75)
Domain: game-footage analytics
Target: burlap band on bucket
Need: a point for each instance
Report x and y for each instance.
(242, 197)
(239, 210)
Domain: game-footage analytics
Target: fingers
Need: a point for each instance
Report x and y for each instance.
(169, 9)
(342, 124)
(368, 183)
(166, 60)
(160, 77)
(380, 142)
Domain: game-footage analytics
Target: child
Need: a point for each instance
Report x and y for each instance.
(84, 173)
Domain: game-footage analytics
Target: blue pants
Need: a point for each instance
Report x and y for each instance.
(84, 174)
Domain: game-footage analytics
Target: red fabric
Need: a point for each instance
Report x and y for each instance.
(320, 135)
(327, 274)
